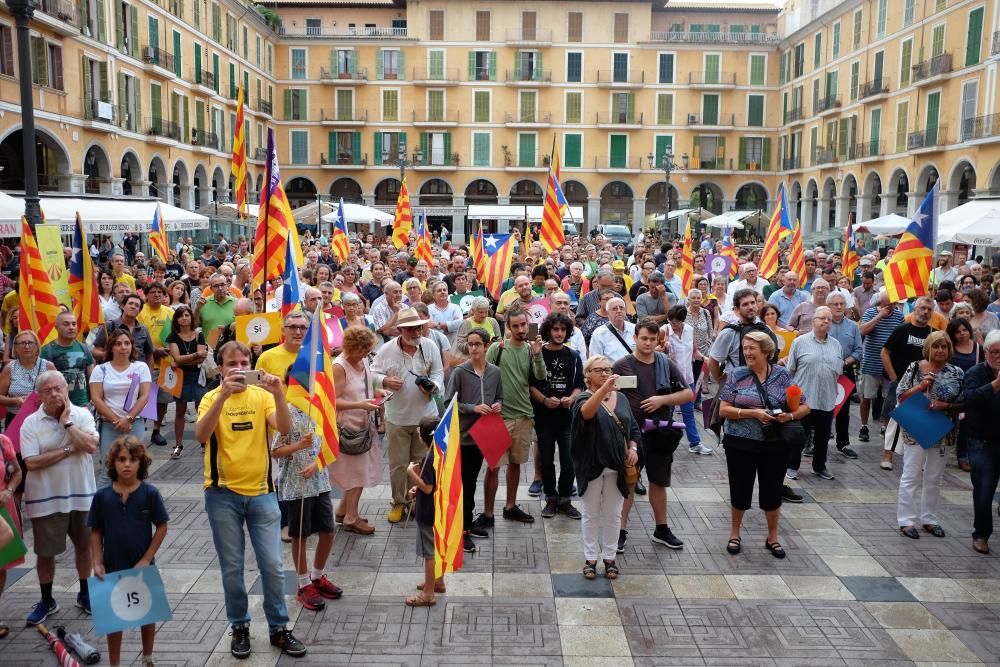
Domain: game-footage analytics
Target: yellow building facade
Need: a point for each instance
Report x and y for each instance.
(139, 98)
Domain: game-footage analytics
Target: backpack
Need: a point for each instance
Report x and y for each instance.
(742, 330)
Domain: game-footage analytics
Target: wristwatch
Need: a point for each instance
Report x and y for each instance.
(67, 450)
(68, 424)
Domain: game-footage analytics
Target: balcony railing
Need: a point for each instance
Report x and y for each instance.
(715, 37)
(528, 75)
(727, 119)
(712, 78)
(442, 74)
(824, 156)
(794, 115)
(104, 111)
(619, 118)
(866, 149)
(937, 65)
(435, 117)
(159, 127)
(827, 103)
(610, 76)
(368, 32)
(154, 55)
(981, 127)
(927, 138)
(616, 162)
(264, 106)
(65, 11)
(516, 37)
(343, 116)
(710, 163)
(789, 163)
(201, 137)
(995, 47)
(330, 75)
(204, 77)
(343, 157)
(874, 87)
(130, 123)
(431, 161)
(529, 117)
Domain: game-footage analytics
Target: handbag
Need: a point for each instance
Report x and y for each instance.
(631, 472)
(792, 432)
(354, 442)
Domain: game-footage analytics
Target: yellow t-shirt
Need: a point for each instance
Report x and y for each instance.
(127, 279)
(506, 298)
(237, 456)
(156, 322)
(10, 302)
(276, 361)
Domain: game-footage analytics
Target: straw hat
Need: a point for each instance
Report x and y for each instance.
(409, 317)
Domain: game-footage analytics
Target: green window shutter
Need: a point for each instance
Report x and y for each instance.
(619, 151)
(119, 27)
(380, 64)
(572, 150)
(288, 104)
(755, 112)
(122, 100)
(765, 154)
(472, 65)
(574, 110)
(517, 65)
(87, 87)
(481, 106)
(423, 147)
(197, 62)
(199, 114)
(303, 104)
(836, 40)
(696, 149)
(331, 147)
(817, 50)
(493, 65)
(933, 111)
(539, 72)
(377, 152)
(178, 68)
(137, 97)
(630, 107)
(712, 68)
(661, 145)
(664, 109)
(710, 109)
(843, 137)
(104, 87)
(481, 149)
(757, 76)
(155, 99)
(154, 31)
(402, 140)
(742, 158)
(974, 41)
(186, 138)
(937, 41)
(101, 21)
(722, 152)
(526, 149)
(356, 145)
(401, 73)
(133, 43)
(905, 63)
(352, 62)
(436, 64)
(215, 71)
(447, 148)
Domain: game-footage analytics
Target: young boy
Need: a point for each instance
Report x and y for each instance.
(120, 519)
(305, 492)
(425, 480)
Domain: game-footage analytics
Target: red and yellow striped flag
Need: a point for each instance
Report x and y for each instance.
(158, 235)
(552, 234)
(476, 251)
(797, 258)
(240, 158)
(275, 225)
(36, 297)
(83, 283)
(849, 260)
(728, 250)
(424, 249)
(908, 274)
(311, 388)
(687, 262)
(780, 227)
(403, 222)
(448, 501)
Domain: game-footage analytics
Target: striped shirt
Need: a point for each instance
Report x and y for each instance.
(871, 361)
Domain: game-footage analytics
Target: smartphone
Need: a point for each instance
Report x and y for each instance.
(626, 382)
(532, 331)
(383, 398)
(252, 377)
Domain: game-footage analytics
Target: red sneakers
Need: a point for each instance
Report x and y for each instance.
(310, 598)
(326, 588)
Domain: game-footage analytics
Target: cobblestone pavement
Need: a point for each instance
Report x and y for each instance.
(851, 591)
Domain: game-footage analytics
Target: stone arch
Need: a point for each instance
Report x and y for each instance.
(656, 200)
(871, 197)
(899, 186)
(259, 184)
(158, 179)
(300, 191)
(708, 195)
(387, 192)
(795, 199)
(130, 171)
(828, 213)
(346, 188)
(180, 179)
(527, 191)
(926, 179)
(51, 159)
(961, 182)
(616, 203)
(849, 193)
(219, 186)
(751, 196)
(436, 192)
(202, 190)
(481, 191)
(810, 205)
(96, 170)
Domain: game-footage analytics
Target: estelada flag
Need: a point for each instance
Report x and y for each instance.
(83, 283)
(907, 275)
(448, 503)
(311, 389)
(780, 227)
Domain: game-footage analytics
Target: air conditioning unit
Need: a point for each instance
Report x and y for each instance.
(105, 110)
(915, 140)
(692, 119)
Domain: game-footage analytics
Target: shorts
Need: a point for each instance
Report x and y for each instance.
(869, 385)
(50, 532)
(522, 430)
(425, 541)
(657, 454)
(315, 515)
(163, 397)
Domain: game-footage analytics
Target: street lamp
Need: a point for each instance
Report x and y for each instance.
(402, 160)
(23, 10)
(667, 164)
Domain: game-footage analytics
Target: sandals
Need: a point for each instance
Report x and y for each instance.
(775, 548)
(734, 546)
(420, 601)
(176, 454)
(340, 518)
(910, 532)
(438, 587)
(589, 570)
(610, 569)
(935, 530)
(361, 527)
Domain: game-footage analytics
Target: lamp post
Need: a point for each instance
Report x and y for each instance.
(667, 164)
(23, 10)
(402, 161)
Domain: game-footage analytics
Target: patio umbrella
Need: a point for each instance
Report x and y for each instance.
(359, 214)
(890, 225)
(976, 222)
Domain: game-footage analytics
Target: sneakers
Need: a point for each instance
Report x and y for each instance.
(83, 602)
(789, 496)
(395, 515)
(310, 598)
(286, 641)
(622, 540)
(808, 451)
(792, 473)
(663, 535)
(572, 491)
(239, 646)
(535, 489)
(327, 588)
(863, 435)
(476, 531)
(640, 488)
(847, 452)
(468, 546)
(701, 449)
(549, 511)
(480, 524)
(515, 513)
(158, 439)
(42, 611)
(824, 474)
(567, 509)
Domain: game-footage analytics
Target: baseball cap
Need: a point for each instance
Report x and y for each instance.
(618, 265)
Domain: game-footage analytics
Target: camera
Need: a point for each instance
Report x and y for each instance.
(425, 383)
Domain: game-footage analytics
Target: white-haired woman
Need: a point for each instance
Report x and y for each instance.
(479, 318)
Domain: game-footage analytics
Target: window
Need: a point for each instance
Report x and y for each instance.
(712, 67)
(970, 93)
(435, 105)
(390, 105)
(298, 63)
(875, 132)
(622, 108)
(574, 107)
(572, 150)
(974, 40)
(313, 27)
(856, 42)
(6, 50)
(39, 61)
(798, 65)
(481, 149)
(345, 63)
(574, 67)
(905, 62)
(178, 66)
(390, 64)
(835, 42)
(710, 151)
(296, 104)
(344, 148)
(526, 142)
(755, 110)
(216, 23)
(909, 8)
(387, 145)
(482, 66)
(435, 65)
(662, 144)
(257, 51)
(300, 147)
(527, 102)
(528, 26)
(813, 143)
(940, 5)
(528, 66)
(881, 18)
(575, 27)
(817, 49)
(619, 151)
(855, 80)
(481, 106)
(937, 41)
(621, 28)
(666, 68)
(482, 26)
(783, 69)
(933, 112)
(710, 109)
(665, 109)
(436, 17)
(751, 155)
(815, 96)
(902, 124)
(758, 69)
(619, 67)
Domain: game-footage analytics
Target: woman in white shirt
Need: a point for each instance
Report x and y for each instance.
(679, 344)
(446, 316)
(110, 385)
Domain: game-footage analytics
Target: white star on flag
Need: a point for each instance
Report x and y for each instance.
(491, 241)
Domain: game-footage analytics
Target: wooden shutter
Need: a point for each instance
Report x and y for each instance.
(447, 148)
(755, 111)
(526, 149)
(757, 77)
(905, 63)
(621, 28)
(288, 104)
(55, 57)
(710, 109)
(741, 159)
(356, 146)
(424, 143)
(974, 41)
(197, 63)
(156, 102)
(529, 26)
(133, 40)
(119, 27)
(377, 152)
(572, 148)
(7, 44)
(574, 107)
(303, 104)
(331, 147)
(481, 149)
(101, 22)
(39, 63)
(665, 109)
(765, 154)
(662, 145)
(666, 74)
(493, 65)
(436, 17)
(619, 151)
(482, 26)
(122, 101)
(575, 32)
(178, 56)
(472, 66)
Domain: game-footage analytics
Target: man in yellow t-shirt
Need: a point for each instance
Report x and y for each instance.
(157, 319)
(279, 358)
(118, 270)
(239, 490)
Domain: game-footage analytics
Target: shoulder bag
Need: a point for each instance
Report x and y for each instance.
(621, 340)
(631, 472)
(354, 442)
(791, 433)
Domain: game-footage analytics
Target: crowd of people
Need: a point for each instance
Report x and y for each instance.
(599, 360)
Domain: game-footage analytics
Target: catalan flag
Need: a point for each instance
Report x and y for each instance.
(403, 222)
(340, 242)
(83, 283)
(291, 286)
(552, 234)
(38, 304)
(275, 225)
(687, 262)
(780, 227)
(311, 390)
(497, 253)
(797, 256)
(907, 275)
(424, 250)
(476, 251)
(728, 250)
(849, 259)
(158, 234)
(448, 525)
(240, 158)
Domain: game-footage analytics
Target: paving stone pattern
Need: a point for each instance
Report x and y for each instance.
(852, 591)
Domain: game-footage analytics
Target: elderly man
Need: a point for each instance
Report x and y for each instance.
(215, 312)
(801, 316)
(877, 324)
(847, 333)
(672, 281)
(656, 301)
(750, 280)
(616, 339)
(788, 297)
(981, 396)
(57, 443)
(559, 303)
(386, 310)
(604, 280)
(523, 295)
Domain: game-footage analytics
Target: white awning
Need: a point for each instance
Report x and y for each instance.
(100, 216)
(890, 225)
(976, 222)
(534, 213)
(358, 214)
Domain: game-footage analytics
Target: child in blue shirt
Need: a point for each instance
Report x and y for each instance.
(425, 480)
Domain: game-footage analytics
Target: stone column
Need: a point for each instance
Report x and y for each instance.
(368, 199)
(638, 217)
(458, 221)
(114, 186)
(593, 217)
(947, 200)
(75, 183)
(841, 214)
(864, 208)
(186, 197)
(141, 188)
(888, 204)
(503, 226)
(913, 201)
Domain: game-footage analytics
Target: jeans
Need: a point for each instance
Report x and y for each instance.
(552, 430)
(108, 434)
(962, 442)
(817, 425)
(984, 458)
(690, 423)
(472, 463)
(227, 513)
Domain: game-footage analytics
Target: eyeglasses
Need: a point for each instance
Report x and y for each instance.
(601, 370)
(28, 343)
(296, 327)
